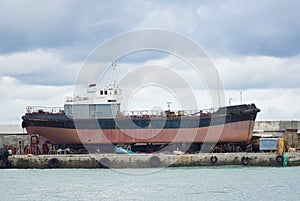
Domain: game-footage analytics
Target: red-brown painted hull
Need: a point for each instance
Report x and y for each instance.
(230, 132)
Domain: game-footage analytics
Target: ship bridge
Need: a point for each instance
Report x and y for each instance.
(95, 103)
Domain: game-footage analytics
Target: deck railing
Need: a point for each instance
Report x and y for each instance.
(39, 109)
(161, 113)
(136, 113)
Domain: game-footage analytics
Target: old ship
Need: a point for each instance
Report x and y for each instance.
(95, 118)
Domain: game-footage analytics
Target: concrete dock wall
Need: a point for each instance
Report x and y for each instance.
(151, 160)
(276, 126)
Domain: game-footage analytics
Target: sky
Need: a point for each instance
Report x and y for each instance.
(253, 44)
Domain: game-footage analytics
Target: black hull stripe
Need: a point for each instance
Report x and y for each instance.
(138, 123)
(224, 115)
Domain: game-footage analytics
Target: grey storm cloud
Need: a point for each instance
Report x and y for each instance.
(254, 44)
(56, 24)
(256, 28)
(248, 27)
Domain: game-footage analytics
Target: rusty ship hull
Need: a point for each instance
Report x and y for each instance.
(233, 124)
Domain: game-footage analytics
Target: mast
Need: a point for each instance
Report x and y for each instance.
(114, 67)
(241, 97)
(218, 88)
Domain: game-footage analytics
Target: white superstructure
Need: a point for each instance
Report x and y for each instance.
(95, 95)
(95, 103)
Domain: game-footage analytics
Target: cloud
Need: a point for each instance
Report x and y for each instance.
(246, 72)
(239, 74)
(275, 104)
(32, 24)
(255, 46)
(56, 24)
(17, 95)
(253, 28)
(267, 28)
(39, 67)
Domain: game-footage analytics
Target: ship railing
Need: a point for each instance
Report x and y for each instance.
(76, 98)
(69, 99)
(141, 113)
(161, 113)
(44, 109)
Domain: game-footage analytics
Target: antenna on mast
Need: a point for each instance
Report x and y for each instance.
(114, 67)
(169, 103)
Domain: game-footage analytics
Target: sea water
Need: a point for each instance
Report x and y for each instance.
(196, 183)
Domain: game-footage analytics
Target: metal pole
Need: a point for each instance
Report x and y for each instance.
(241, 97)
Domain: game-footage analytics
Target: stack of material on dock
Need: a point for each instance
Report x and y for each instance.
(3, 157)
(292, 138)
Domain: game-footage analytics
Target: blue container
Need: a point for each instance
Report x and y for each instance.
(268, 144)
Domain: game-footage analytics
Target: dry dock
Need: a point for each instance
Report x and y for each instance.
(152, 160)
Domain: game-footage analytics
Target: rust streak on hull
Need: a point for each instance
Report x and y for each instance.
(231, 132)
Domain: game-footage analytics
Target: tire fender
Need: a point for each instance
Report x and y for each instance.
(245, 160)
(154, 161)
(53, 163)
(279, 159)
(213, 159)
(104, 163)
